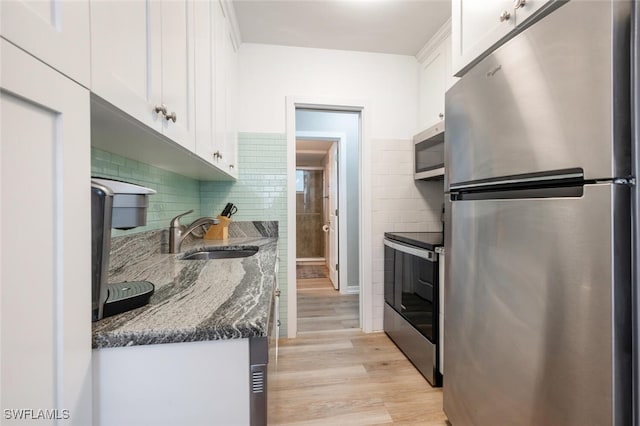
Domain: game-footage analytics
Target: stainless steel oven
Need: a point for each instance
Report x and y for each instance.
(411, 311)
(428, 153)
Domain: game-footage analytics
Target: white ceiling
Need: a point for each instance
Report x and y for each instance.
(383, 26)
(311, 152)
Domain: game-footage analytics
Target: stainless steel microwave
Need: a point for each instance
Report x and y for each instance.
(428, 153)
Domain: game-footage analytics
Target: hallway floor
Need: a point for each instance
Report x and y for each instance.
(349, 378)
(334, 374)
(320, 306)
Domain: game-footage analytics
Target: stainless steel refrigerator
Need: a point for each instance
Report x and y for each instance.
(539, 239)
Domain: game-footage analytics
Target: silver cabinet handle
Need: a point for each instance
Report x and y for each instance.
(171, 117)
(217, 154)
(161, 109)
(441, 115)
(278, 292)
(278, 322)
(231, 166)
(517, 4)
(505, 16)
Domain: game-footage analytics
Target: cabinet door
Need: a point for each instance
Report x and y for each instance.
(231, 133)
(526, 10)
(56, 32)
(450, 79)
(475, 27)
(221, 46)
(203, 46)
(432, 88)
(178, 75)
(125, 57)
(45, 304)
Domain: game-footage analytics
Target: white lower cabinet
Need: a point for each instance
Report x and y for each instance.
(194, 383)
(45, 233)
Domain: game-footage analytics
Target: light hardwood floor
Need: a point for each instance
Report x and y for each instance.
(320, 306)
(342, 376)
(349, 378)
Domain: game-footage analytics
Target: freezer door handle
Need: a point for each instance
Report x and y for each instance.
(555, 177)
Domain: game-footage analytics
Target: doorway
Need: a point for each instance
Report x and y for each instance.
(327, 219)
(363, 240)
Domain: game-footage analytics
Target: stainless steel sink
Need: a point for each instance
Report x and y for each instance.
(221, 253)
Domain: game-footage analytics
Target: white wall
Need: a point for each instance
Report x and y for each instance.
(399, 203)
(389, 85)
(269, 73)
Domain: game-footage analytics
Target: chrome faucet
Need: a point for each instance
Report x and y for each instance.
(177, 232)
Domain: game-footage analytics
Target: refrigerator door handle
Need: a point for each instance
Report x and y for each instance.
(555, 177)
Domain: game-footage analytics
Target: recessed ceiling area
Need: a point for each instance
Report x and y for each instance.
(383, 26)
(311, 153)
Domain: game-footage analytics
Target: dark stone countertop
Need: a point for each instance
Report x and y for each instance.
(194, 300)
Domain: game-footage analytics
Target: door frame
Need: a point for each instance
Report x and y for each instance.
(364, 243)
(341, 140)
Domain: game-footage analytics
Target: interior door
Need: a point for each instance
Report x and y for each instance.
(332, 191)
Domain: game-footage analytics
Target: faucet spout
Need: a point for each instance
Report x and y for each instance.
(177, 232)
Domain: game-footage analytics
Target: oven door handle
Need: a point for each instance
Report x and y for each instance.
(414, 251)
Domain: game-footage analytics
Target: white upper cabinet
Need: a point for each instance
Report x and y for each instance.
(435, 78)
(478, 27)
(168, 64)
(231, 133)
(56, 32)
(525, 9)
(216, 140)
(204, 66)
(178, 89)
(126, 62)
(224, 90)
(142, 61)
(432, 87)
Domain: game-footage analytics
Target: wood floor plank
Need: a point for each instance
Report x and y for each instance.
(320, 306)
(332, 375)
(360, 379)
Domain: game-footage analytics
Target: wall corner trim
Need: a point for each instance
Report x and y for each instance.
(432, 44)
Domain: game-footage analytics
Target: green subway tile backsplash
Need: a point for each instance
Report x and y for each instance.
(176, 193)
(260, 193)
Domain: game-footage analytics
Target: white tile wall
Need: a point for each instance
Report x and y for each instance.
(399, 204)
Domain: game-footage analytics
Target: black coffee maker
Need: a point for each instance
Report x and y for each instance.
(118, 205)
